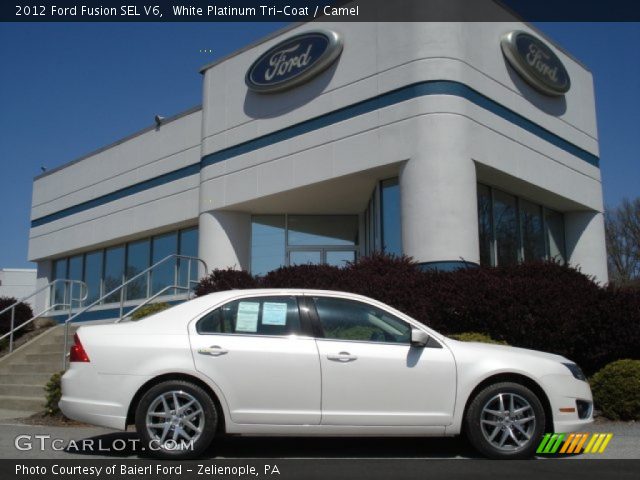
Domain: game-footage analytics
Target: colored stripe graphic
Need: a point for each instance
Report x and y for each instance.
(550, 443)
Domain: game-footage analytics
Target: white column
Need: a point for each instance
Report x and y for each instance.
(438, 196)
(224, 239)
(585, 242)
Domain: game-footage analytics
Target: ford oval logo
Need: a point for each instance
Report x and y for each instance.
(536, 63)
(293, 61)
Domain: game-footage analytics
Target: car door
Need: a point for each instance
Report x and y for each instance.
(259, 353)
(371, 375)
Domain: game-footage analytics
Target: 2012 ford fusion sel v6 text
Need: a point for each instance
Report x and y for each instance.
(305, 362)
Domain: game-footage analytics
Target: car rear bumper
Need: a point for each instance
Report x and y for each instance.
(93, 412)
(98, 399)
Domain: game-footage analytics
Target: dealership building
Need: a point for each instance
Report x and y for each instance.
(457, 144)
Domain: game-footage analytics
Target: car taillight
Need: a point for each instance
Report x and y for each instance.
(77, 353)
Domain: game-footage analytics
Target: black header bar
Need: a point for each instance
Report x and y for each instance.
(322, 10)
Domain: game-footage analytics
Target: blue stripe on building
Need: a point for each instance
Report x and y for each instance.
(431, 87)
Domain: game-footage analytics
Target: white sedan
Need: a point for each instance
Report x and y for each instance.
(306, 362)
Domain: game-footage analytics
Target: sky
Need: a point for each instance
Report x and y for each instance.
(68, 89)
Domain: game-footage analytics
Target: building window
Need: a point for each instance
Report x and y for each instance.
(268, 239)
(93, 275)
(485, 225)
(382, 219)
(390, 213)
(104, 270)
(278, 240)
(532, 231)
(164, 274)
(511, 229)
(59, 292)
(505, 227)
(555, 235)
(113, 272)
(188, 246)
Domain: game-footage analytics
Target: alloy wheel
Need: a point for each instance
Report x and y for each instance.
(508, 422)
(175, 417)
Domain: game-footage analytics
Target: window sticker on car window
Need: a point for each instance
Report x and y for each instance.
(274, 313)
(247, 318)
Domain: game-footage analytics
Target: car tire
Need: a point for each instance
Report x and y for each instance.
(505, 421)
(184, 419)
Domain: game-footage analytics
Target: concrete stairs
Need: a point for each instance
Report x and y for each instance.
(25, 372)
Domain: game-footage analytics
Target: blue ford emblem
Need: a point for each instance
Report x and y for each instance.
(536, 63)
(293, 61)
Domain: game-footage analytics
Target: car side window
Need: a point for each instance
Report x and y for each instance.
(343, 319)
(277, 315)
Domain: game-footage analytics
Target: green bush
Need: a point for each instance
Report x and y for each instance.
(53, 393)
(149, 310)
(476, 337)
(616, 390)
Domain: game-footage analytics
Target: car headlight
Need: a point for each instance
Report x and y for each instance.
(576, 371)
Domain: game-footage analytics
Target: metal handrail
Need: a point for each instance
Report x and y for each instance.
(121, 288)
(84, 293)
(150, 299)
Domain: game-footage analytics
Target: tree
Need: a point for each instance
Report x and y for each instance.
(622, 227)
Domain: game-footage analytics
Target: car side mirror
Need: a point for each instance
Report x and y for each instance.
(419, 338)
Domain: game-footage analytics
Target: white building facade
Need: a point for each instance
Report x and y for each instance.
(17, 283)
(433, 140)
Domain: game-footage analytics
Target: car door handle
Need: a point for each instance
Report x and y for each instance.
(342, 357)
(213, 350)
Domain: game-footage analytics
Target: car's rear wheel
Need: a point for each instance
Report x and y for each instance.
(176, 420)
(505, 421)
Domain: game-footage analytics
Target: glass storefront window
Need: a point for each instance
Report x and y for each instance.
(340, 258)
(74, 273)
(278, 240)
(137, 261)
(164, 274)
(390, 213)
(512, 229)
(188, 246)
(506, 228)
(113, 272)
(532, 231)
(59, 272)
(555, 235)
(104, 270)
(304, 257)
(267, 243)
(484, 225)
(327, 230)
(93, 275)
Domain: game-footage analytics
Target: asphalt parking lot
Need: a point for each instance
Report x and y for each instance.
(47, 442)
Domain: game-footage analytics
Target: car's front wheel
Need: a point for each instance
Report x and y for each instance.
(176, 420)
(505, 421)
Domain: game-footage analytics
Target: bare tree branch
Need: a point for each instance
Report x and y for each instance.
(622, 230)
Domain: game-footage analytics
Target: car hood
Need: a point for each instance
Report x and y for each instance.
(495, 350)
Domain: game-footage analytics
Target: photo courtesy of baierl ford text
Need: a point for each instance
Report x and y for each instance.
(319, 240)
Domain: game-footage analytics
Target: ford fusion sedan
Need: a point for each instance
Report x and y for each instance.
(305, 362)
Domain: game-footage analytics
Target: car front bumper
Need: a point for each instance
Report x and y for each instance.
(563, 392)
